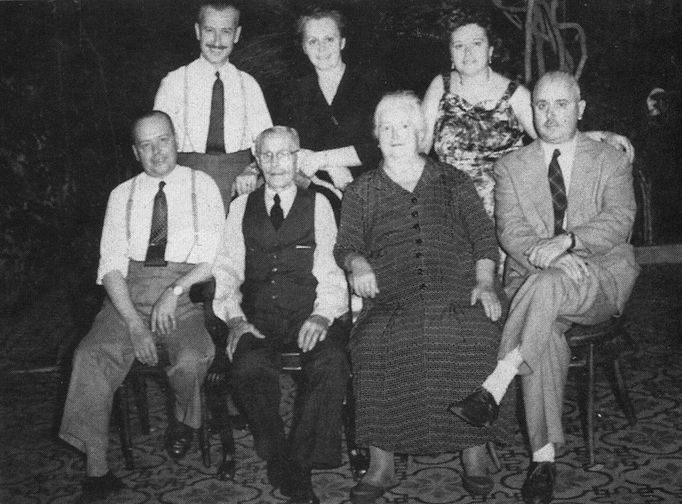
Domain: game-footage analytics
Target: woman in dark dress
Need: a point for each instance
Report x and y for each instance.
(332, 108)
(421, 251)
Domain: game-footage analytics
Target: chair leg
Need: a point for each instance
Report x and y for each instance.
(620, 390)
(204, 435)
(123, 413)
(589, 420)
(140, 385)
(358, 458)
(492, 451)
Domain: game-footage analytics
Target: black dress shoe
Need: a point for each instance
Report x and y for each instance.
(310, 498)
(100, 487)
(539, 485)
(278, 475)
(178, 440)
(226, 470)
(478, 408)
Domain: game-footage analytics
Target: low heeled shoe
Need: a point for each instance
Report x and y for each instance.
(539, 485)
(478, 408)
(477, 485)
(367, 493)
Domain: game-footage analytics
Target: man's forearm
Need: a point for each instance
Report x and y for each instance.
(200, 273)
(117, 290)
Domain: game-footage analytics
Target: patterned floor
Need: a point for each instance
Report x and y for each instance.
(639, 465)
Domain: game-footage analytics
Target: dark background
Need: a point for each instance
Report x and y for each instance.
(73, 75)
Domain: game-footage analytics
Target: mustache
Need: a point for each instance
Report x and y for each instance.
(212, 46)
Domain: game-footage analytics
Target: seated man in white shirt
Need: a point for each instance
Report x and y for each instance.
(279, 289)
(161, 234)
(217, 109)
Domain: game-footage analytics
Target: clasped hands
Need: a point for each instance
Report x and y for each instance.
(163, 321)
(313, 330)
(553, 252)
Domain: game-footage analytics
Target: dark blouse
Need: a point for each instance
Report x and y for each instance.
(347, 121)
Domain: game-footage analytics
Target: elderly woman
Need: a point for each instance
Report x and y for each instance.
(475, 115)
(421, 251)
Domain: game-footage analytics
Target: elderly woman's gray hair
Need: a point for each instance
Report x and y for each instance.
(409, 100)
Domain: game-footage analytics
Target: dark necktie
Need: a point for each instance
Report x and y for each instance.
(158, 235)
(215, 142)
(276, 213)
(558, 190)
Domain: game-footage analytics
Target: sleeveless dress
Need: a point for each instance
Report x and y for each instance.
(471, 138)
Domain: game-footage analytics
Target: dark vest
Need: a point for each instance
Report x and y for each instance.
(279, 263)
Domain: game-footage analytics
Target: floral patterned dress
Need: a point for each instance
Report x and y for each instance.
(472, 137)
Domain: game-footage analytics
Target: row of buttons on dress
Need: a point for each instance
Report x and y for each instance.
(419, 254)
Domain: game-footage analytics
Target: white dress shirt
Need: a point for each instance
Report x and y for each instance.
(182, 245)
(185, 95)
(331, 293)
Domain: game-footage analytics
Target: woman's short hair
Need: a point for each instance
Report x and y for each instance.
(462, 17)
(406, 99)
(320, 13)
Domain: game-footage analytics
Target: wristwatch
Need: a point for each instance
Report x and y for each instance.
(178, 290)
(572, 237)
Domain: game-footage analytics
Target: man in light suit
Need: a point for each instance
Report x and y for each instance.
(564, 208)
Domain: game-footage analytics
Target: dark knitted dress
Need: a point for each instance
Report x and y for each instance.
(418, 345)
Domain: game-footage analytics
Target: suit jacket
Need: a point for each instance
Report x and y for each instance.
(601, 211)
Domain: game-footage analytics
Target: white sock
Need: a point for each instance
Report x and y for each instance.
(544, 454)
(498, 381)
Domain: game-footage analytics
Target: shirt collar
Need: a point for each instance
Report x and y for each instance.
(207, 68)
(286, 196)
(173, 177)
(567, 149)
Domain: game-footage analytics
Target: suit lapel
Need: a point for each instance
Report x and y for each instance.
(533, 184)
(583, 180)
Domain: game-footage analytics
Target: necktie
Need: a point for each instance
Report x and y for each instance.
(158, 235)
(276, 213)
(558, 190)
(215, 142)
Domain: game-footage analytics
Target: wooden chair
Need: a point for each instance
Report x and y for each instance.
(358, 458)
(592, 344)
(135, 383)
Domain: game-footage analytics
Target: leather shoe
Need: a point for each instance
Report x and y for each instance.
(477, 485)
(309, 498)
(478, 408)
(277, 475)
(178, 440)
(366, 493)
(539, 485)
(100, 487)
(226, 470)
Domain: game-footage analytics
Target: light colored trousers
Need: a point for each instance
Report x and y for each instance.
(541, 311)
(105, 355)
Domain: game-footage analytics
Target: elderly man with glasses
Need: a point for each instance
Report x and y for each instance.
(280, 290)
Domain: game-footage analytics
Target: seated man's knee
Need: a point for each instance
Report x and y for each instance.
(191, 362)
(544, 283)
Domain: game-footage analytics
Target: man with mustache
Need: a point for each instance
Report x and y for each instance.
(161, 235)
(564, 209)
(217, 110)
(280, 290)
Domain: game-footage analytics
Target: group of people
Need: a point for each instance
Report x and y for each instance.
(431, 353)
